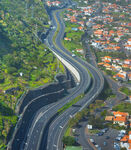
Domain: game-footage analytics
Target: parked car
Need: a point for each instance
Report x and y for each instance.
(104, 130)
(96, 146)
(94, 143)
(107, 137)
(105, 143)
(92, 140)
(99, 134)
(116, 146)
(118, 139)
(99, 148)
(121, 135)
(123, 131)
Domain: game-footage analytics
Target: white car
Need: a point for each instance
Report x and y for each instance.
(96, 146)
(73, 55)
(92, 140)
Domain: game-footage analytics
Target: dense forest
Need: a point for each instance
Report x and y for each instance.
(24, 61)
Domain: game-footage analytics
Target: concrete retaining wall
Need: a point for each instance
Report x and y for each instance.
(61, 83)
(70, 67)
(34, 101)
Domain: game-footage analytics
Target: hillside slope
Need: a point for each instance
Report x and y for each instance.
(24, 61)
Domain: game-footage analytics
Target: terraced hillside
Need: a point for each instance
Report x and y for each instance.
(24, 61)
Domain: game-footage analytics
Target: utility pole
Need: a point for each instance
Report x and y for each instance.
(32, 15)
(26, 9)
(36, 30)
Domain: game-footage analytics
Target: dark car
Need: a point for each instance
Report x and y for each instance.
(104, 130)
(107, 137)
(99, 134)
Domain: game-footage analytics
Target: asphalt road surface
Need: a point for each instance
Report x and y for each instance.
(35, 139)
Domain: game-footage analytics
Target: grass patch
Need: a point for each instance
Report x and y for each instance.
(68, 105)
(73, 148)
(123, 107)
(125, 90)
(111, 96)
(68, 131)
(93, 131)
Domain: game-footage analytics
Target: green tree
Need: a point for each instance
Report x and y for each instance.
(11, 70)
(68, 140)
(1, 78)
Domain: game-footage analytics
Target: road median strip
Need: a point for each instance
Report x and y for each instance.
(68, 105)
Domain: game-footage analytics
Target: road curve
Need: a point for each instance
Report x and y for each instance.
(35, 133)
(81, 66)
(34, 138)
(56, 128)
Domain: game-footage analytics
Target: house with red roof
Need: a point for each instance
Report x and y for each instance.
(128, 47)
(73, 19)
(126, 66)
(80, 28)
(54, 3)
(98, 33)
(125, 142)
(106, 58)
(129, 76)
(129, 41)
(120, 114)
(127, 61)
(122, 75)
(119, 118)
(116, 60)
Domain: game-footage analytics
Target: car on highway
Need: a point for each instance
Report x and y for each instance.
(73, 55)
(76, 105)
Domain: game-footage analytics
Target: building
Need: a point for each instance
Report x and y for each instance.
(109, 118)
(125, 142)
(120, 118)
(127, 61)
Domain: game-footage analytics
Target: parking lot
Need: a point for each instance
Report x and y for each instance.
(105, 141)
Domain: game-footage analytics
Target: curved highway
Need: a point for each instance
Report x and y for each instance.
(56, 128)
(44, 134)
(34, 137)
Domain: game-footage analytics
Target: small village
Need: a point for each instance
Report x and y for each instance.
(108, 35)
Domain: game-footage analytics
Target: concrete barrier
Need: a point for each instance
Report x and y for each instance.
(72, 69)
